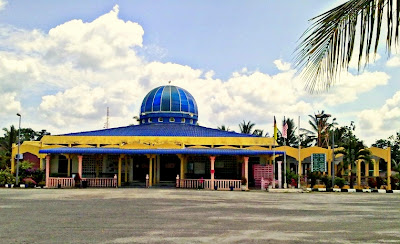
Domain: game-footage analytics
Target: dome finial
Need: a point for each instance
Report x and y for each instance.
(169, 82)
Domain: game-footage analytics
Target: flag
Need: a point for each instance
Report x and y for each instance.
(284, 129)
(275, 130)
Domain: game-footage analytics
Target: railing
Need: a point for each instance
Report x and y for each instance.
(91, 182)
(63, 182)
(206, 184)
(101, 182)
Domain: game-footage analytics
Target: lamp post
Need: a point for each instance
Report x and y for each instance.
(19, 142)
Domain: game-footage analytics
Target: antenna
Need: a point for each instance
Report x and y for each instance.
(106, 125)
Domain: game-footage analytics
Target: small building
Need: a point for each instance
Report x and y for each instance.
(167, 145)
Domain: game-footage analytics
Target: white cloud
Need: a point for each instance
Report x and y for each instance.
(3, 4)
(9, 104)
(282, 66)
(393, 62)
(381, 122)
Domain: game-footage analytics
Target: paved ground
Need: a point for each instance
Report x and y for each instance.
(192, 216)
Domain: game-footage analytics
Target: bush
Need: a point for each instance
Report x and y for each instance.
(313, 176)
(379, 182)
(395, 182)
(42, 183)
(6, 177)
(339, 182)
(29, 181)
(327, 180)
(372, 183)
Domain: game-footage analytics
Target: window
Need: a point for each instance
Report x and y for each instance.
(171, 119)
(183, 120)
(149, 120)
(191, 121)
(143, 121)
(160, 119)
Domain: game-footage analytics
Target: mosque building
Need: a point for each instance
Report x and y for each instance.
(166, 145)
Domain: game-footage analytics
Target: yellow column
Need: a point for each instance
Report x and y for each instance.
(246, 170)
(358, 162)
(366, 169)
(119, 170)
(376, 167)
(389, 168)
(183, 159)
(329, 162)
(342, 169)
(151, 171)
(126, 169)
(349, 168)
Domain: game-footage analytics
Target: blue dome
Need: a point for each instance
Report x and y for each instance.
(168, 104)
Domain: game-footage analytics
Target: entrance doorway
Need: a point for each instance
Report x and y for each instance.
(169, 167)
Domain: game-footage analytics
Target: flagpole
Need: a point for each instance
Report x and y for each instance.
(284, 156)
(298, 160)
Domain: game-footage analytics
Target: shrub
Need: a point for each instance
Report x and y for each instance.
(395, 182)
(42, 183)
(327, 180)
(6, 177)
(29, 181)
(372, 183)
(339, 182)
(379, 182)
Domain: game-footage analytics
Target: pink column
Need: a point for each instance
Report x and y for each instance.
(280, 174)
(80, 165)
(47, 170)
(246, 171)
(212, 159)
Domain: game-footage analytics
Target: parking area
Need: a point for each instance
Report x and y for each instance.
(196, 216)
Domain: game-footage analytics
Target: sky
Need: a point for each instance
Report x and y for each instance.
(62, 63)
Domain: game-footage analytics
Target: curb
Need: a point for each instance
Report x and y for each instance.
(353, 190)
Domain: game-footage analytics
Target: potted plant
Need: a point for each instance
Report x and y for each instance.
(244, 183)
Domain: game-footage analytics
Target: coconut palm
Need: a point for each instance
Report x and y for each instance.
(291, 139)
(321, 127)
(327, 46)
(223, 127)
(246, 127)
(353, 150)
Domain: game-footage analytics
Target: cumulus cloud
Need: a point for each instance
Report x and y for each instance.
(3, 4)
(282, 66)
(66, 79)
(393, 62)
(383, 121)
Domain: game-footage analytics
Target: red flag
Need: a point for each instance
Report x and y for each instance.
(284, 130)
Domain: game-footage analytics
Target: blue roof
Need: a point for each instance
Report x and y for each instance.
(182, 130)
(186, 151)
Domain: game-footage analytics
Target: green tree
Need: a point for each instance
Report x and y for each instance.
(327, 46)
(352, 150)
(246, 127)
(291, 140)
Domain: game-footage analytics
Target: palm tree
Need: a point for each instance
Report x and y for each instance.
(246, 128)
(223, 127)
(328, 45)
(353, 150)
(258, 132)
(291, 139)
(321, 127)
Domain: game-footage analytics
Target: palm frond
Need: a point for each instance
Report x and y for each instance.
(326, 47)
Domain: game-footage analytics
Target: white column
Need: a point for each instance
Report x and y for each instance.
(280, 174)
(80, 165)
(246, 171)
(47, 170)
(212, 159)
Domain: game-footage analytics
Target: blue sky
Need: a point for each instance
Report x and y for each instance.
(64, 62)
